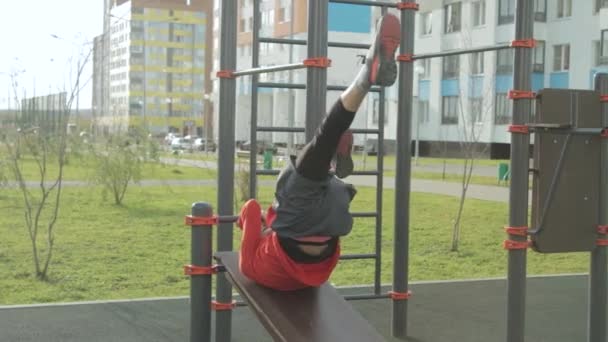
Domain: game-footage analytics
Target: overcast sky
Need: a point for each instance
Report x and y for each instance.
(26, 27)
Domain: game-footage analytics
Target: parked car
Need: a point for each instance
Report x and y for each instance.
(184, 144)
(170, 136)
(262, 145)
(201, 144)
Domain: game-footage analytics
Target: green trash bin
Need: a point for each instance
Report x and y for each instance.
(503, 172)
(267, 159)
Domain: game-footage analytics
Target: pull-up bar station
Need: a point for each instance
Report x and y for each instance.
(287, 315)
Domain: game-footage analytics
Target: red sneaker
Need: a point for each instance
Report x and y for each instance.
(381, 56)
(344, 162)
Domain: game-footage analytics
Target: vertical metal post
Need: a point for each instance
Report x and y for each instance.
(253, 134)
(316, 78)
(598, 274)
(200, 285)
(225, 177)
(518, 192)
(402, 177)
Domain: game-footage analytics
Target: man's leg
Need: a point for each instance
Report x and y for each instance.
(380, 69)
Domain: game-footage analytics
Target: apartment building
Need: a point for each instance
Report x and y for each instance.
(156, 59)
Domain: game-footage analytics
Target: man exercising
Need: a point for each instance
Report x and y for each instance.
(301, 245)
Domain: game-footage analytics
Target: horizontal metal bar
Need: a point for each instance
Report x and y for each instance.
(342, 88)
(267, 172)
(303, 42)
(366, 3)
(280, 129)
(269, 69)
(228, 219)
(364, 214)
(282, 41)
(365, 173)
(281, 85)
(357, 256)
(573, 131)
(365, 130)
(462, 51)
(303, 86)
(366, 296)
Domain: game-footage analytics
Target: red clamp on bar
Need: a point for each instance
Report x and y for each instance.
(602, 242)
(522, 129)
(400, 295)
(604, 133)
(524, 43)
(225, 74)
(222, 306)
(405, 58)
(521, 231)
(318, 62)
(200, 270)
(604, 98)
(602, 230)
(200, 221)
(521, 94)
(512, 244)
(408, 6)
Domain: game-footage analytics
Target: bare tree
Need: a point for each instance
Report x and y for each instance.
(43, 142)
(474, 107)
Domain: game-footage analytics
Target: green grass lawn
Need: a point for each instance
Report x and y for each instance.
(137, 250)
(82, 169)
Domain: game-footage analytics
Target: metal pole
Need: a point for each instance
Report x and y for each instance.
(291, 100)
(518, 191)
(598, 274)
(225, 177)
(402, 177)
(200, 285)
(316, 89)
(496, 47)
(253, 127)
(262, 70)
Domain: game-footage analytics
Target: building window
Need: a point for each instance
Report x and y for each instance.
(476, 109)
(564, 8)
(603, 47)
(599, 4)
(243, 25)
(561, 57)
(503, 109)
(424, 69)
(450, 110)
(506, 11)
(540, 10)
(538, 57)
(452, 17)
(600, 59)
(451, 66)
(426, 23)
(284, 14)
(504, 61)
(479, 13)
(423, 111)
(477, 61)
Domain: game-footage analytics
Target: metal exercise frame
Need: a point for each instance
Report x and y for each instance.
(202, 217)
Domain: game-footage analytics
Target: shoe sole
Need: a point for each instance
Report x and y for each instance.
(384, 67)
(344, 165)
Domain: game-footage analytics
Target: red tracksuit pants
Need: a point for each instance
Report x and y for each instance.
(263, 260)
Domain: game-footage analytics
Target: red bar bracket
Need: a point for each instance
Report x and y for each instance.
(400, 295)
(512, 244)
(604, 98)
(604, 133)
(602, 230)
(317, 62)
(405, 58)
(225, 74)
(524, 43)
(522, 129)
(520, 231)
(200, 221)
(201, 270)
(408, 6)
(521, 94)
(602, 242)
(222, 306)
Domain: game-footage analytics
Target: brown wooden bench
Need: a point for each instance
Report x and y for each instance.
(309, 315)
